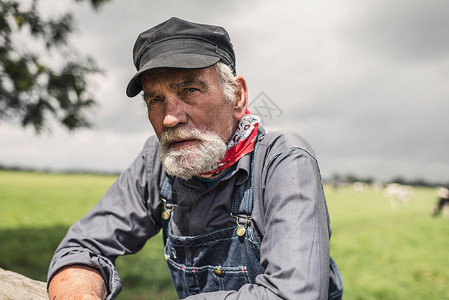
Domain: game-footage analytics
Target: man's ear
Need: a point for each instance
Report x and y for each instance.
(241, 98)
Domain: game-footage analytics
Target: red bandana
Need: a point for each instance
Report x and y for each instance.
(242, 143)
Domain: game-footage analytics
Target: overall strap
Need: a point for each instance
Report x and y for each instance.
(167, 190)
(242, 202)
(169, 202)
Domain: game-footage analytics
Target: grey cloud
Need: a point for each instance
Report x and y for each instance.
(411, 31)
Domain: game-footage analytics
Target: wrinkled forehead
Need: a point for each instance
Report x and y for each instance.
(177, 76)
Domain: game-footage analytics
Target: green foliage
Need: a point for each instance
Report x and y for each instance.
(383, 253)
(32, 91)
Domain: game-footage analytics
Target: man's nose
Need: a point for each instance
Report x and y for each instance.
(174, 113)
(170, 121)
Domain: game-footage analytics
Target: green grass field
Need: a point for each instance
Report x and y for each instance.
(383, 253)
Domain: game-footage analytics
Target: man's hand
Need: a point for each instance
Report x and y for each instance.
(77, 282)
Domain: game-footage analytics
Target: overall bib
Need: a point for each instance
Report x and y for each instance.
(223, 259)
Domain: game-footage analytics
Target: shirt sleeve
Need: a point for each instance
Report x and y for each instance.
(119, 224)
(295, 245)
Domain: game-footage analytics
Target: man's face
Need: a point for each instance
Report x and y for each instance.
(191, 118)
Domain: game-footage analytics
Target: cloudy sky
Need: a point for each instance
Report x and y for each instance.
(366, 82)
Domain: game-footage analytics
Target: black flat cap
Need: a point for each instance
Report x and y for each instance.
(177, 43)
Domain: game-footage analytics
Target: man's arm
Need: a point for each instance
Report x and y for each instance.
(119, 224)
(77, 282)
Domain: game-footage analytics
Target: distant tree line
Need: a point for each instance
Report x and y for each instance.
(351, 178)
(66, 171)
(336, 178)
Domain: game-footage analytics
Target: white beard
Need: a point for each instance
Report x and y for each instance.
(189, 161)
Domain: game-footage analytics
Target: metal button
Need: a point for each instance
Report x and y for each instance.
(165, 215)
(218, 271)
(241, 231)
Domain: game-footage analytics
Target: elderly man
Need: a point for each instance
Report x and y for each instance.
(242, 211)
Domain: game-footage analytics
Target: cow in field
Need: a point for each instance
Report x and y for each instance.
(399, 194)
(443, 203)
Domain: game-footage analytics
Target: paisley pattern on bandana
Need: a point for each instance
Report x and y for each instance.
(241, 143)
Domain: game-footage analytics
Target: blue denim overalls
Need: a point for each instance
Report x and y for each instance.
(224, 259)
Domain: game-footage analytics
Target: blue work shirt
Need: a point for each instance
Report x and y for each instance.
(290, 219)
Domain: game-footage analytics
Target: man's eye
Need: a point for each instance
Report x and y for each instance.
(154, 100)
(192, 90)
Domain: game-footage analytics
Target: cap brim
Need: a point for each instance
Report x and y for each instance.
(179, 61)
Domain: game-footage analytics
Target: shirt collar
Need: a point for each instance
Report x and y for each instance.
(242, 169)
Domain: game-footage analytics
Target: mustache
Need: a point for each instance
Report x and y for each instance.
(171, 135)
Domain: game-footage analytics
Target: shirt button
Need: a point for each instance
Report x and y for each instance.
(218, 271)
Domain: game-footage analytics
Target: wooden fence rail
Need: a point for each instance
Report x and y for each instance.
(15, 286)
